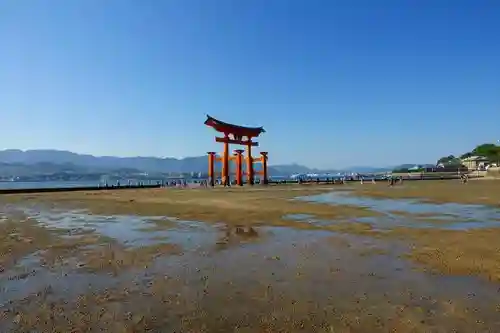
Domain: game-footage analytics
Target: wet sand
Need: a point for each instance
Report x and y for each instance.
(476, 191)
(250, 260)
(453, 234)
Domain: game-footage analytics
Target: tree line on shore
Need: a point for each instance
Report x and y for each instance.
(490, 151)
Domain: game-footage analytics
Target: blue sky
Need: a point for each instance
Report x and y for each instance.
(335, 83)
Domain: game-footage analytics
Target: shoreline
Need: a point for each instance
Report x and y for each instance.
(272, 183)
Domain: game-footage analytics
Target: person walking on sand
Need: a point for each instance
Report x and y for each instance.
(391, 182)
(464, 178)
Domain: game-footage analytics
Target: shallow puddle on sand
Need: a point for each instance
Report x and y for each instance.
(67, 275)
(390, 221)
(298, 216)
(17, 285)
(446, 216)
(132, 231)
(308, 218)
(307, 276)
(246, 274)
(308, 268)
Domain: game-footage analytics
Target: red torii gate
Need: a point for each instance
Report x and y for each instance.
(238, 135)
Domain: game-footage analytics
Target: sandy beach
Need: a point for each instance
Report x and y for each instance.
(417, 257)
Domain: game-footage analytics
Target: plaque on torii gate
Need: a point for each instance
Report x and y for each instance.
(237, 135)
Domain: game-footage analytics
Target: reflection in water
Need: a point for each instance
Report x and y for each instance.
(247, 232)
(448, 215)
(234, 235)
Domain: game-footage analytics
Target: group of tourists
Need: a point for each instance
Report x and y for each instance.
(392, 181)
(318, 180)
(395, 180)
(176, 183)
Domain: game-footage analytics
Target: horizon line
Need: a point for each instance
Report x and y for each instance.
(185, 157)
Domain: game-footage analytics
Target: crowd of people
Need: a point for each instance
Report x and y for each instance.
(183, 183)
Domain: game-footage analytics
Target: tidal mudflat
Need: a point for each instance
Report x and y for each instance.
(276, 259)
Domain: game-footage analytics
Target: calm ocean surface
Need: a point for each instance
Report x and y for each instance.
(63, 184)
(14, 185)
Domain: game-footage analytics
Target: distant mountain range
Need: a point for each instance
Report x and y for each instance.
(14, 161)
